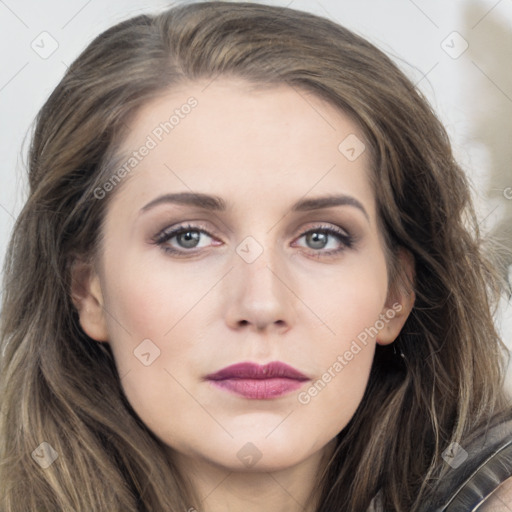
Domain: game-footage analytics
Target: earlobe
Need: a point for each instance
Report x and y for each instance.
(400, 300)
(87, 297)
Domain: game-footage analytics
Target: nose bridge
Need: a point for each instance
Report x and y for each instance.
(261, 296)
(258, 266)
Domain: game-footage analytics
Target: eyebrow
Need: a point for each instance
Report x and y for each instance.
(216, 203)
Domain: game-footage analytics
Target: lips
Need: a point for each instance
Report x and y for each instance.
(259, 382)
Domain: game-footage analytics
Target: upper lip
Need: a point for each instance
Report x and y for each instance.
(249, 370)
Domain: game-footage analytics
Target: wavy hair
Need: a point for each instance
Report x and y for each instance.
(59, 386)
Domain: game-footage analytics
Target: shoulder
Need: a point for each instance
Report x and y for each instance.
(500, 500)
(483, 481)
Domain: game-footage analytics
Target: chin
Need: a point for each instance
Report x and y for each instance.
(258, 454)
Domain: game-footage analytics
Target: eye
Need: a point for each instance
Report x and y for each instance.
(185, 239)
(182, 239)
(327, 240)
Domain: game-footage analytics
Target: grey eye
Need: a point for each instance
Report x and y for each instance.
(317, 239)
(188, 239)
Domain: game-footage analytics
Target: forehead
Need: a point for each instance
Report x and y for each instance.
(230, 138)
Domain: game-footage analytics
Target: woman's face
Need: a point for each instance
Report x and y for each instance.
(279, 259)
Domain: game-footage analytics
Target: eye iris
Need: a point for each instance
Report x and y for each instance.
(188, 239)
(317, 239)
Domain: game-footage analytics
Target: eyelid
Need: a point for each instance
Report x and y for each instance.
(180, 227)
(346, 239)
(325, 227)
(171, 231)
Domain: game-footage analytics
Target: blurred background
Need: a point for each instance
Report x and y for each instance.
(458, 53)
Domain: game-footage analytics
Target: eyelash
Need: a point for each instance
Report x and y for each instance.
(346, 240)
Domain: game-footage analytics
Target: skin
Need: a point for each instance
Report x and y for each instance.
(501, 499)
(260, 150)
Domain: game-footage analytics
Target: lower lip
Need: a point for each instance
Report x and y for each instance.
(259, 389)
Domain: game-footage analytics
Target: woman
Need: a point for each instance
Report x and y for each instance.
(247, 276)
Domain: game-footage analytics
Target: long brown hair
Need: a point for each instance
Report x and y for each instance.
(60, 387)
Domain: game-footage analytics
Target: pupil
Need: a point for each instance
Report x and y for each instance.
(317, 239)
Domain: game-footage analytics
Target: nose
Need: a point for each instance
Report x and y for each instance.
(259, 294)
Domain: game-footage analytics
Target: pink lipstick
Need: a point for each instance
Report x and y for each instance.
(258, 382)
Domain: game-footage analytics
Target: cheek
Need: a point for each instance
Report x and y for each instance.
(349, 305)
(154, 319)
(349, 300)
(145, 301)
(147, 313)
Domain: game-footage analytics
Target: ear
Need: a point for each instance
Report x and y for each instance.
(88, 300)
(400, 299)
